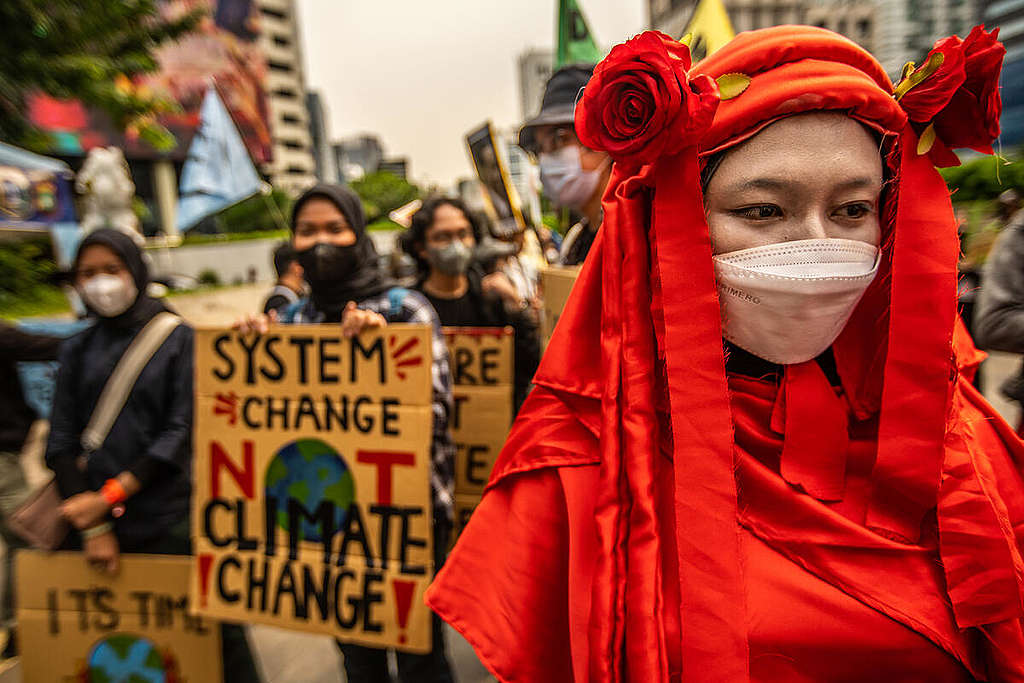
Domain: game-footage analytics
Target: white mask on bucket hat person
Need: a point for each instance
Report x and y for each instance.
(566, 183)
(787, 302)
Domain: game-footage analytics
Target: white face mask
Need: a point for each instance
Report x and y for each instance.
(109, 295)
(788, 302)
(565, 182)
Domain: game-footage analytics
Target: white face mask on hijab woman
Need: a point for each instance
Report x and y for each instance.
(104, 281)
(793, 215)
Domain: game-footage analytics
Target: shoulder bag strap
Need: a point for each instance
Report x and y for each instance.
(116, 390)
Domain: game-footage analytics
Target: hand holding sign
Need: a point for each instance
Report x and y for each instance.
(255, 322)
(103, 552)
(355, 320)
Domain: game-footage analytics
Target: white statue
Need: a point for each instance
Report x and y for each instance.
(108, 189)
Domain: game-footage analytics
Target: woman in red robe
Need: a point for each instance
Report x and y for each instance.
(825, 497)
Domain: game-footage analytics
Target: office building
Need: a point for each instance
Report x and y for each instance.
(535, 67)
(907, 29)
(398, 166)
(323, 155)
(855, 19)
(292, 167)
(358, 156)
(1008, 15)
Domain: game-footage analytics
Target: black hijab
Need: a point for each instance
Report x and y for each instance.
(144, 307)
(365, 279)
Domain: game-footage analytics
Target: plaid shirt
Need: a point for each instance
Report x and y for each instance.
(413, 308)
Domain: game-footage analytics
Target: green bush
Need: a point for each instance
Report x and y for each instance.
(385, 224)
(984, 178)
(209, 278)
(194, 238)
(26, 268)
(383, 192)
(256, 214)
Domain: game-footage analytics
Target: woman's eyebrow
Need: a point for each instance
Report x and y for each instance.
(778, 184)
(863, 182)
(762, 184)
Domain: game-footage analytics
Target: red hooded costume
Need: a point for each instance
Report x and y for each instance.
(657, 517)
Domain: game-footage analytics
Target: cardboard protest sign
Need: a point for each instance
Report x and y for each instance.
(311, 500)
(481, 365)
(501, 200)
(77, 624)
(557, 282)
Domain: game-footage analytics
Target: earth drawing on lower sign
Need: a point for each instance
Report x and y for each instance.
(127, 658)
(310, 472)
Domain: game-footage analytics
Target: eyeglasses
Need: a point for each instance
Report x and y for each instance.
(443, 239)
(552, 140)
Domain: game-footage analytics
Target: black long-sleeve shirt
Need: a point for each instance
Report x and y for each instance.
(473, 309)
(152, 436)
(16, 346)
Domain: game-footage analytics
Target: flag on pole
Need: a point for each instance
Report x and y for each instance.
(218, 171)
(709, 29)
(575, 42)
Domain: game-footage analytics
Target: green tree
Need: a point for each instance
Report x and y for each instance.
(984, 178)
(383, 192)
(86, 50)
(257, 213)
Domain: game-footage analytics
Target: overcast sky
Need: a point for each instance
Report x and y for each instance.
(422, 73)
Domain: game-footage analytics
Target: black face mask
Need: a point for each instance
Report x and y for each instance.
(328, 266)
(337, 275)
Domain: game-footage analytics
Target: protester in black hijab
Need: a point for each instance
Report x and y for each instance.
(133, 493)
(118, 298)
(344, 267)
(340, 262)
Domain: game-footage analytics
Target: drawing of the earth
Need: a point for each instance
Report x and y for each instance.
(124, 658)
(311, 472)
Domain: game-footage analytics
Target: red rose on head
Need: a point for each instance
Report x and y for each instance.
(927, 89)
(972, 117)
(640, 105)
(956, 94)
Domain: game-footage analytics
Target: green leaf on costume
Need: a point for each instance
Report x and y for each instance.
(732, 85)
(927, 139)
(918, 76)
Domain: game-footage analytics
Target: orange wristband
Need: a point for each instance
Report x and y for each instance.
(113, 492)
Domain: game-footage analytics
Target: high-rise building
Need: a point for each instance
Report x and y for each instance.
(855, 19)
(535, 67)
(323, 155)
(293, 167)
(907, 29)
(398, 166)
(358, 156)
(1008, 15)
(672, 16)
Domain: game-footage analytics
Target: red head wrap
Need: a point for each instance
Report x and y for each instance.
(650, 111)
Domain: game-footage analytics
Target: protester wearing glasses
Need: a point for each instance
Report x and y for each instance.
(573, 176)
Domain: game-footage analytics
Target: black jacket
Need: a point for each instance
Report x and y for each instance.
(492, 313)
(999, 312)
(152, 436)
(17, 346)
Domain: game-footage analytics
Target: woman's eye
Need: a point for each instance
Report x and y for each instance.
(858, 210)
(759, 212)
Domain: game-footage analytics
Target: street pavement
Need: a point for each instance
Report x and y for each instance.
(320, 661)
